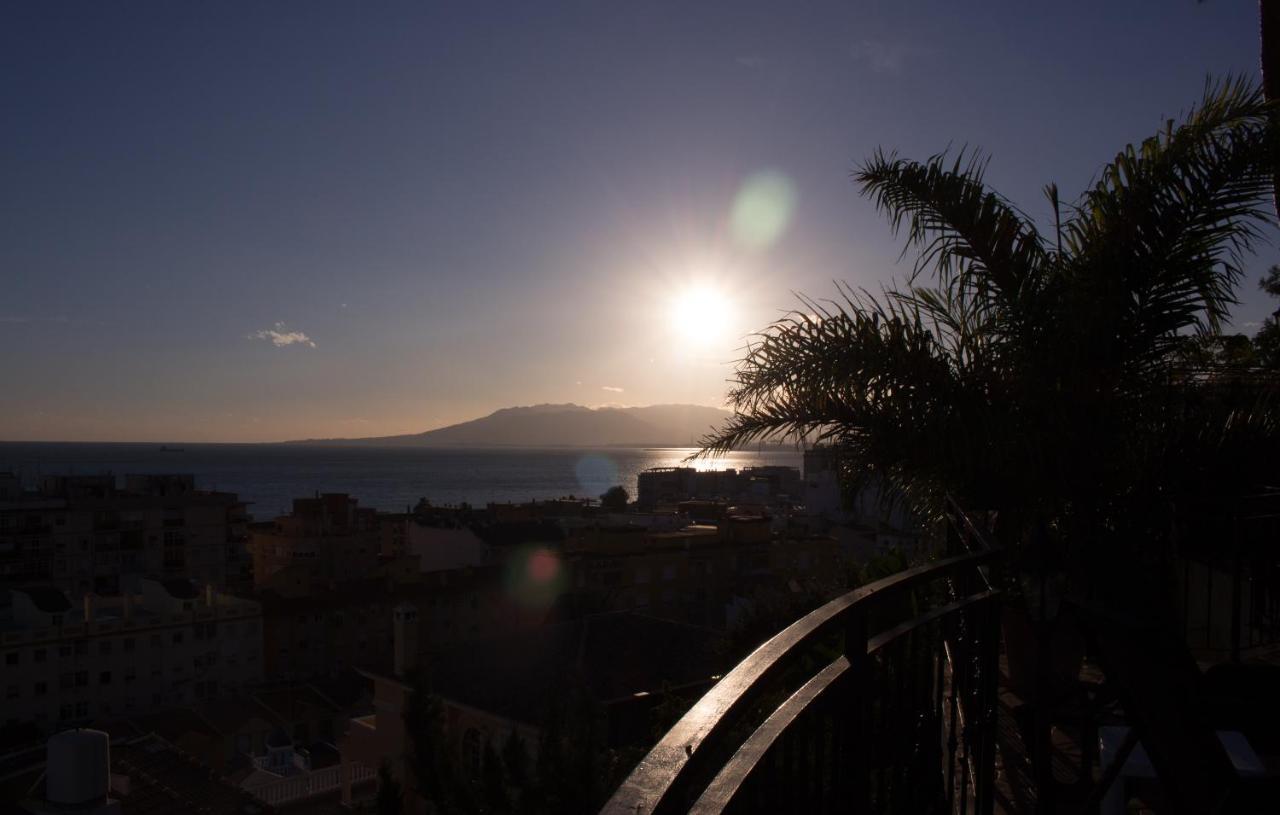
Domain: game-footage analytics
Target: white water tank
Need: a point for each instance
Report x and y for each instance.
(78, 769)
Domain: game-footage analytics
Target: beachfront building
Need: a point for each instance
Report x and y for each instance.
(158, 644)
(661, 486)
(88, 533)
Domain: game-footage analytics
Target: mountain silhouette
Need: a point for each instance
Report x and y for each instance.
(566, 425)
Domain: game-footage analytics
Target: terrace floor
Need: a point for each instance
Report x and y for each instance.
(1015, 777)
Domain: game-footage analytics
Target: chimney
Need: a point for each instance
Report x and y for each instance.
(88, 607)
(405, 632)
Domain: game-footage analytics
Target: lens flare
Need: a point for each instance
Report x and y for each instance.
(596, 473)
(762, 209)
(543, 566)
(535, 577)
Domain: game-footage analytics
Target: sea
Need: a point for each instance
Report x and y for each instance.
(270, 476)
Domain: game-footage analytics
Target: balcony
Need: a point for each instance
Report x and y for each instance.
(898, 697)
(884, 699)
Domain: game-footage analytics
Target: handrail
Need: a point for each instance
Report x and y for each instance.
(736, 771)
(649, 787)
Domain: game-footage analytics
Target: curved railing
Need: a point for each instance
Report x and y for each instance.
(881, 700)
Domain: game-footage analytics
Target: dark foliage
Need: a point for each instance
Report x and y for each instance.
(1043, 375)
(615, 499)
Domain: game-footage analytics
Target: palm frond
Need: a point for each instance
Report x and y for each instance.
(967, 235)
(1157, 245)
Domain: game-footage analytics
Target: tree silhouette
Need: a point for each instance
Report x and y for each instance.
(615, 499)
(389, 793)
(1043, 375)
(1266, 342)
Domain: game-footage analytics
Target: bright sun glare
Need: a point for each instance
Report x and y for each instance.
(701, 314)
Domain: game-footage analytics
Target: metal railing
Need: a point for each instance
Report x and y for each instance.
(304, 785)
(882, 700)
(1227, 574)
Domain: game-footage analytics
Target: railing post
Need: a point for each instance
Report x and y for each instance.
(1237, 575)
(990, 661)
(856, 713)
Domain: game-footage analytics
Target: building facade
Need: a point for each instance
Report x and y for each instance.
(88, 533)
(165, 644)
(330, 536)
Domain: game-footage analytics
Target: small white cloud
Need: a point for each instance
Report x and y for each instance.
(279, 337)
(610, 388)
(1252, 324)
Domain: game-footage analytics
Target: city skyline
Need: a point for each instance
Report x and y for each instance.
(255, 223)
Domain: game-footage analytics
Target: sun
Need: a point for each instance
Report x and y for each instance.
(701, 314)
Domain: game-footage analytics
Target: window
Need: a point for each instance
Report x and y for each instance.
(82, 709)
(82, 647)
(104, 648)
(67, 680)
(65, 712)
(128, 645)
(38, 655)
(11, 658)
(41, 688)
(64, 650)
(155, 641)
(177, 637)
(12, 692)
(56, 619)
(104, 678)
(82, 679)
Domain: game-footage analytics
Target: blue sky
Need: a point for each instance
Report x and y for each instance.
(464, 206)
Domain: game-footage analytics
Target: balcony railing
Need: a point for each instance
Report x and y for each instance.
(285, 790)
(882, 700)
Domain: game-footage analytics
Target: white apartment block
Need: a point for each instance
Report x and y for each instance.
(162, 644)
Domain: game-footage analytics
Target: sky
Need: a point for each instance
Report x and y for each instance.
(261, 221)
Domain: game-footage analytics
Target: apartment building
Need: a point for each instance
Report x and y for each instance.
(161, 643)
(330, 536)
(697, 574)
(90, 533)
(325, 629)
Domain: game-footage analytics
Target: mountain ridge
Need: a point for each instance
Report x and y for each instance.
(559, 425)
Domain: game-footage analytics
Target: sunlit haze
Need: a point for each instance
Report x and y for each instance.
(264, 221)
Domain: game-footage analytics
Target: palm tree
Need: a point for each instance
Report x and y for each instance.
(1045, 377)
(1041, 374)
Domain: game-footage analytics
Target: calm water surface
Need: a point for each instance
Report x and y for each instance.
(270, 476)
